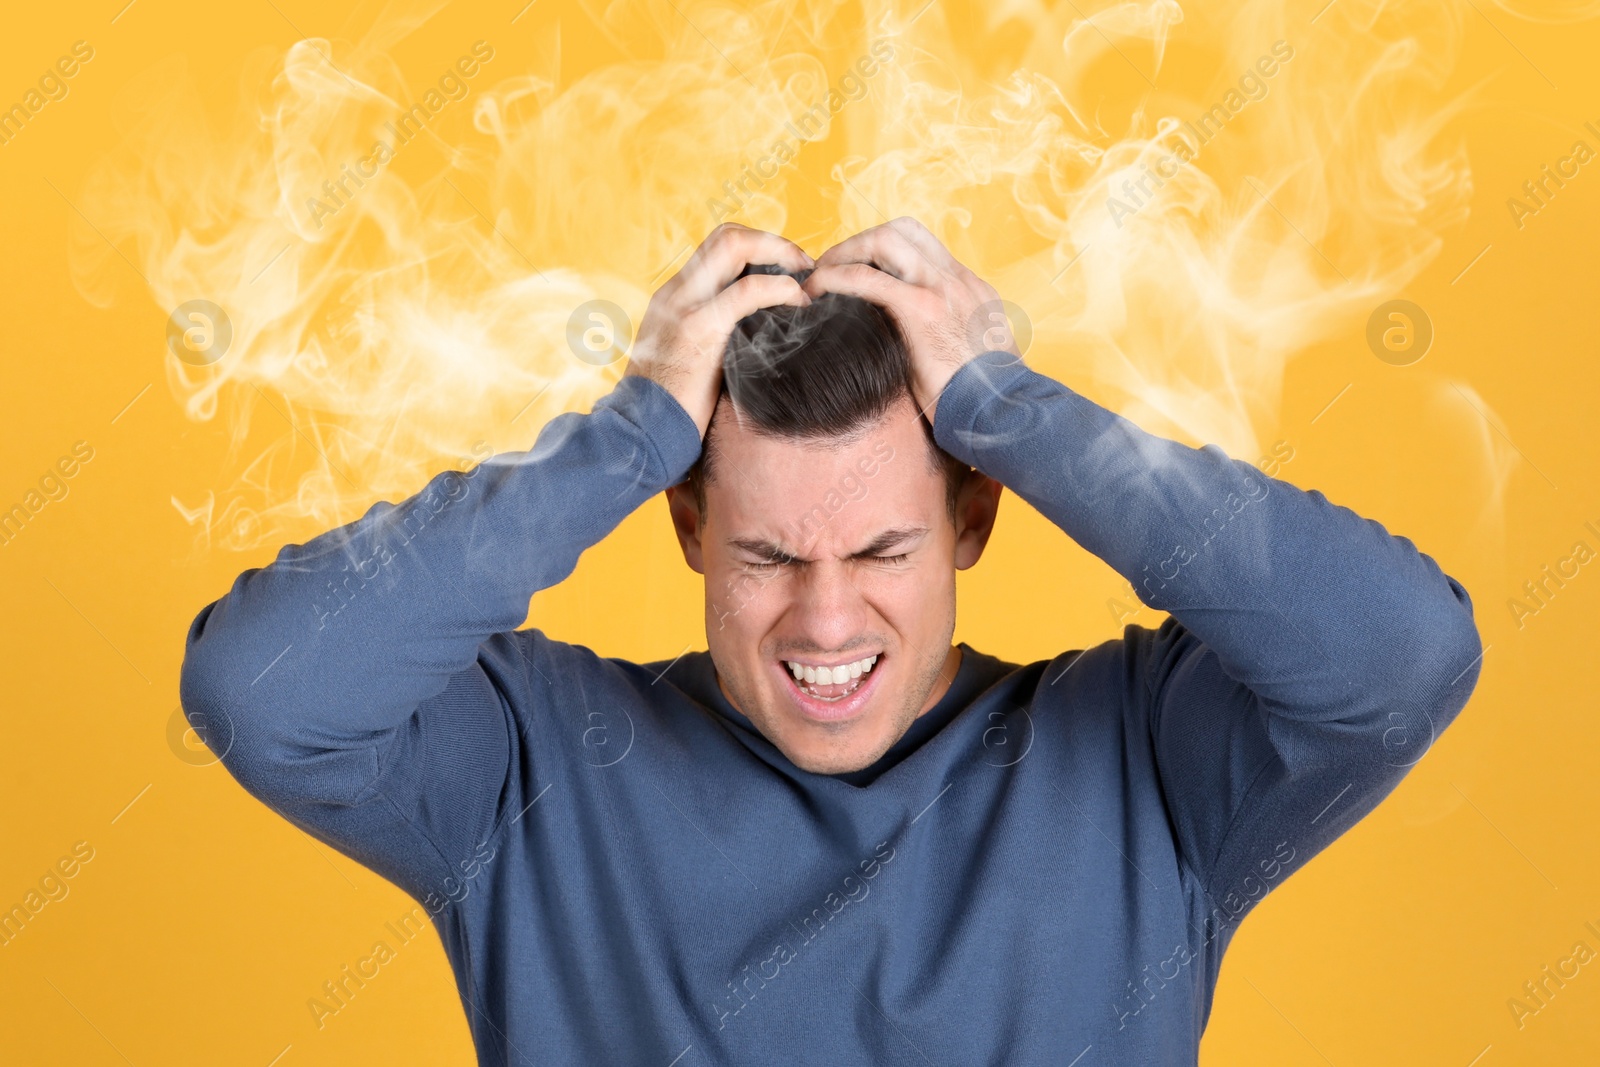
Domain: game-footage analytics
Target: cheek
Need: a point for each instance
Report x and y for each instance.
(741, 605)
(917, 600)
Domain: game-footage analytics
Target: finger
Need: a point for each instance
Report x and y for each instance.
(885, 248)
(866, 282)
(750, 294)
(923, 240)
(731, 248)
(903, 247)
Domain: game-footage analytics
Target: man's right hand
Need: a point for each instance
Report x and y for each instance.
(686, 326)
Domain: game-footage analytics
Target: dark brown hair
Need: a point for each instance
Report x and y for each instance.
(828, 370)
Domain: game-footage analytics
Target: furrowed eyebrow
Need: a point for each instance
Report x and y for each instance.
(764, 550)
(890, 539)
(771, 552)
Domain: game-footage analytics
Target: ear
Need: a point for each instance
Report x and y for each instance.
(977, 505)
(685, 511)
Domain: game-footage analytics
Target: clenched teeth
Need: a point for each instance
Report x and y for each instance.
(811, 675)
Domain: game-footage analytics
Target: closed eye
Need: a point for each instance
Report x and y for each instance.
(893, 561)
(768, 563)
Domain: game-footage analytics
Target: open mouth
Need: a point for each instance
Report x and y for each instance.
(831, 691)
(831, 683)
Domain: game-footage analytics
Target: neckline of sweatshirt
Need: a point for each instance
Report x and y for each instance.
(976, 673)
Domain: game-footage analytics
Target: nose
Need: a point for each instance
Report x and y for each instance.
(830, 610)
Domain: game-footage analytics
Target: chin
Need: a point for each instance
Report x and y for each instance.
(830, 749)
(829, 764)
(833, 727)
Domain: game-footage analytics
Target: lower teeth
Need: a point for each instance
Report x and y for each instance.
(851, 687)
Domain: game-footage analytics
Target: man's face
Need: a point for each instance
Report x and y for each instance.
(837, 556)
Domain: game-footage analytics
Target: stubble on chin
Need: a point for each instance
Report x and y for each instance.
(901, 712)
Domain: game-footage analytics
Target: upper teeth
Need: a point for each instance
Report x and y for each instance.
(805, 672)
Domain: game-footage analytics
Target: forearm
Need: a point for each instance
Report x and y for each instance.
(348, 633)
(1320, 612)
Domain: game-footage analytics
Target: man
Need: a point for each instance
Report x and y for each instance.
(834, 838)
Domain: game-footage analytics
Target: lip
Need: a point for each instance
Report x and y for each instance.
(828, 710)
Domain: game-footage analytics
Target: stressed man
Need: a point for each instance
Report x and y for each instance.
(834, 837)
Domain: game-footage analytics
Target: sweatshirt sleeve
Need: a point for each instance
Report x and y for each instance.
(1311, 657)
(367, 684)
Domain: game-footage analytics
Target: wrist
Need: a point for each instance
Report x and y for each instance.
(690, 396)
(933, 379)
(973, 388)
(668, 427)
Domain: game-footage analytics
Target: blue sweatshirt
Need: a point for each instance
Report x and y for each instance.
(1046, 869)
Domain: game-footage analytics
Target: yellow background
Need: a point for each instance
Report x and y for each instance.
(204, 922)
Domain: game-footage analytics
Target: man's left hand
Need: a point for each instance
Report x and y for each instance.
(934, 300)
